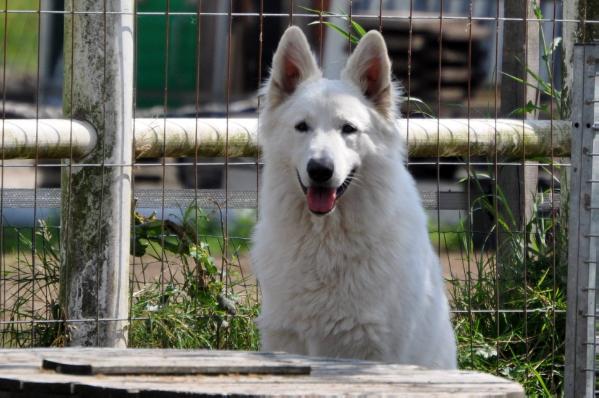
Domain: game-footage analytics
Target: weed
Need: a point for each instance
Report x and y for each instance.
(192, 303)
(511, 319)
(30, 292)
(535, 81)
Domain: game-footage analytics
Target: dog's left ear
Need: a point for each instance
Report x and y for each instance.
(369, 68)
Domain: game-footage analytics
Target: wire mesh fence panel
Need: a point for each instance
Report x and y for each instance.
(130, 155)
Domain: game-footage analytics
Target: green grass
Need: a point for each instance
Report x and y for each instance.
(197, 304)
(194, 303)
(192, 315)
(525, 339)
(21, 33)
(30, 289)
(446, 237)
(16, 240)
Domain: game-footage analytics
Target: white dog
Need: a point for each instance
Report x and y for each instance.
(341, 249)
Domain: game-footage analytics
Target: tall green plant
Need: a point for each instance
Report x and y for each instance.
(513, 322)
(535, 81)
(30, 291)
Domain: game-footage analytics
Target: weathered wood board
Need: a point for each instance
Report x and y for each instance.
(171, 365)
(22, 375)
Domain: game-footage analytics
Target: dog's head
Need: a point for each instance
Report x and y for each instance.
(323, 130)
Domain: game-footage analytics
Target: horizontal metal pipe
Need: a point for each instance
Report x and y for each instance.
(509, 138)
(178, 137)
(45, 138)
(181, 137)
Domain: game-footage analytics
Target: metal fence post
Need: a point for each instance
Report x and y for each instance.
(96, 198)
(583, 232)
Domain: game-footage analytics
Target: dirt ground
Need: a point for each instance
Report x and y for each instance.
(452, 263)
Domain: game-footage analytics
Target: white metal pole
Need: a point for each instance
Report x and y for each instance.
(177, 137)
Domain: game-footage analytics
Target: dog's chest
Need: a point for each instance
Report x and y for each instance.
(336, 256)
(330, 283)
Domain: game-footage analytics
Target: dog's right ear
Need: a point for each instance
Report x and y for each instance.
(292, 64)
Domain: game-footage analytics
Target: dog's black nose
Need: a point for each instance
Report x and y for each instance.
(321, 170)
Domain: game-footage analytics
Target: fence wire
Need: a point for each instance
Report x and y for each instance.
(499, 224)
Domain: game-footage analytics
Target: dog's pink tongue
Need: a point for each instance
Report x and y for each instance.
(321, 200)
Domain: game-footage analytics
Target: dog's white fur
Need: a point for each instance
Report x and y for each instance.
(362, 281)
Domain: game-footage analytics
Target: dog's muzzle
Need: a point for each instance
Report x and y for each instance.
(322, 199)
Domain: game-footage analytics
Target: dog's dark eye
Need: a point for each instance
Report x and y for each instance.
(302, 127)
(348, 128)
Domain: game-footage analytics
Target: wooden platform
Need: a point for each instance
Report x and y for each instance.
(94, 373)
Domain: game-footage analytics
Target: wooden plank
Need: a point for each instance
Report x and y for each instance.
(139, 365)
(518, 184)
(22, 374)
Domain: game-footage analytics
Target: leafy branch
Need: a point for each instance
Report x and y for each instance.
(535, 81)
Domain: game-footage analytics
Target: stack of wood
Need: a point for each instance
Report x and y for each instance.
(453, 68)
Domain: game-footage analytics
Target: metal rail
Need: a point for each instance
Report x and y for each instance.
(180, 137)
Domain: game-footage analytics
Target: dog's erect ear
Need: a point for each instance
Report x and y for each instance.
(369, 68)
(292, 64)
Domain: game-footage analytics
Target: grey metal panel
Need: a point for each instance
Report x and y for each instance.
(580, 358)
(49, 198)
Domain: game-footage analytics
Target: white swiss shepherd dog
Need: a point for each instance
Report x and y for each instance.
(341, 249)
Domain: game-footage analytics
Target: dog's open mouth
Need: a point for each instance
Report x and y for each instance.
(322, 200)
